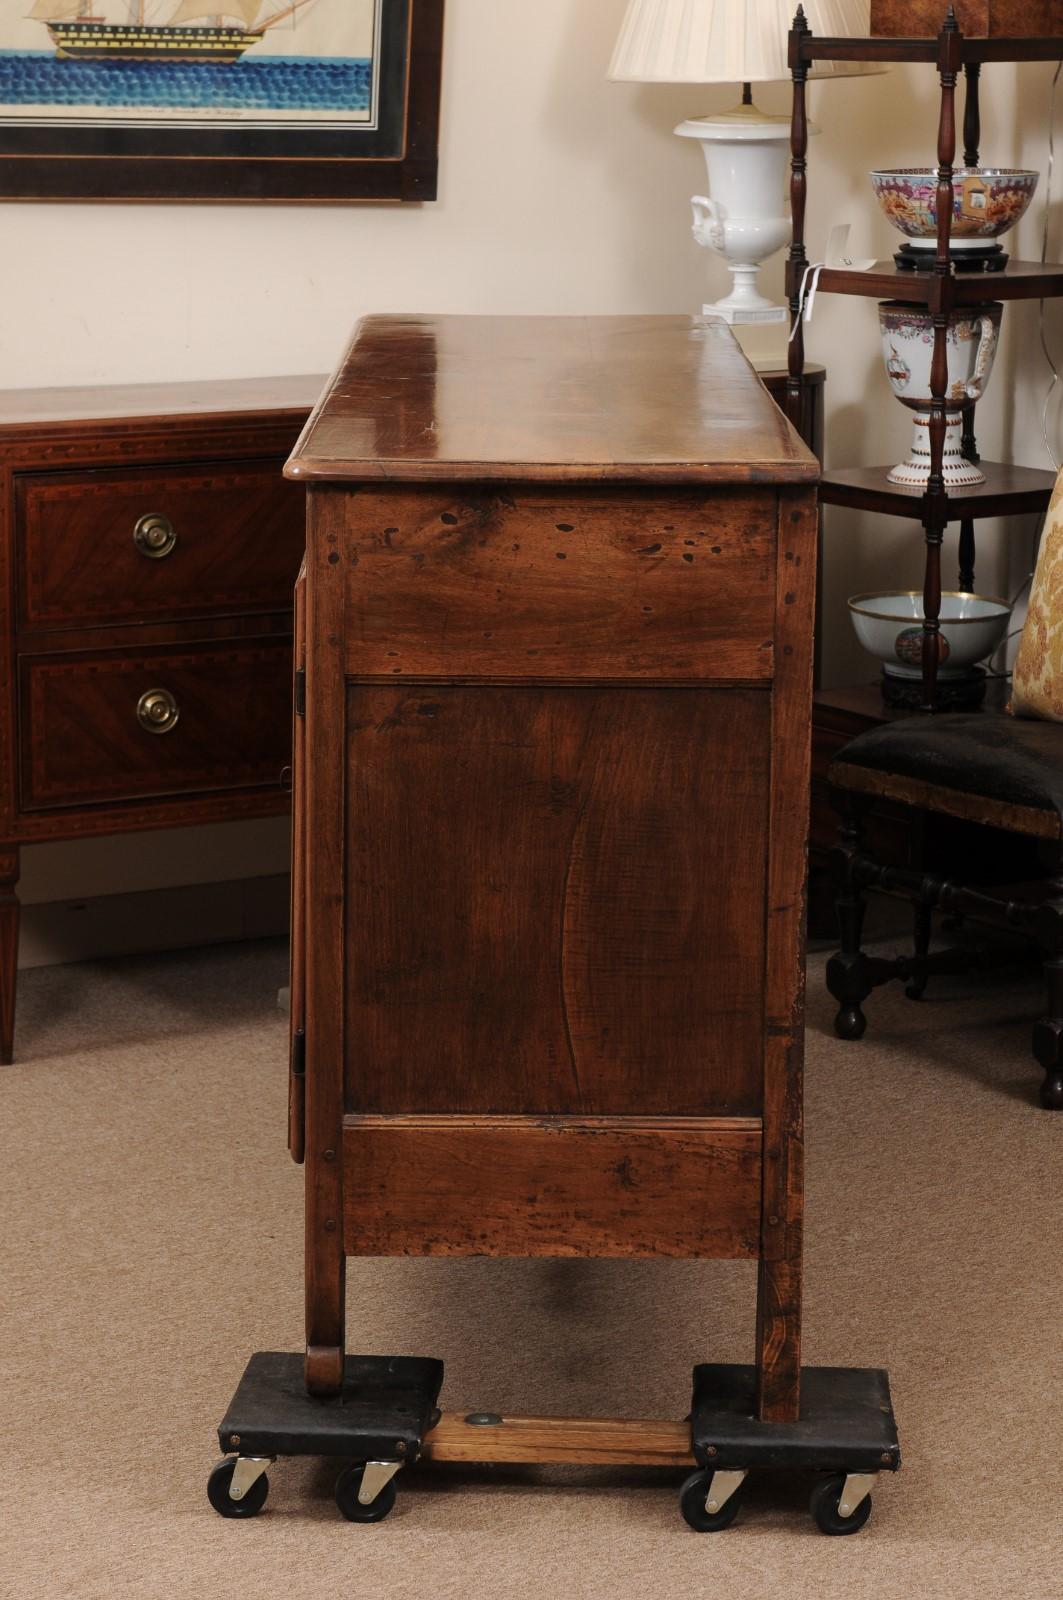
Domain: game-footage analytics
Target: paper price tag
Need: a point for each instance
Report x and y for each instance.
(838, 251)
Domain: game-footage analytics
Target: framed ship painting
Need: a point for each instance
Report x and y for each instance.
(228, 100)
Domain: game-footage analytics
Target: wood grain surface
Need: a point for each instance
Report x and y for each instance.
(574, 1187)
(297, 956)
(325, 847)
(216, 401)
(920, 19)
(83, 745)
(239, 537)
(782, 1221)
(555, 900)
(668, 399)
(593, 584)
(561, 1441)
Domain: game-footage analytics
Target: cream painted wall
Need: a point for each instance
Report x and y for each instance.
(559, 192)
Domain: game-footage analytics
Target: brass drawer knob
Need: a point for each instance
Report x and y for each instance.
(154, 536)
(157, 711)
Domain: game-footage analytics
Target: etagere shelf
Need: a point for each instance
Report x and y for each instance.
(1009, 490)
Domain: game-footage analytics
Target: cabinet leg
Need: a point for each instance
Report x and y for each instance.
(1048, 1038)
(848, 974)
(326, 1293)
(778, 1394)
(924, 926)
(9, 918)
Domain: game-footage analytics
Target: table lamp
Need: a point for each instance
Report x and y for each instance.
(745, 216)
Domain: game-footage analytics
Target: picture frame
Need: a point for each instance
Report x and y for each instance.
(316, 102)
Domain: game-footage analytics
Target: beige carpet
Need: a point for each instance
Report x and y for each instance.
(151, 1241)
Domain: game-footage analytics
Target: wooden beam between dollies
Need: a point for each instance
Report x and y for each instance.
(561, 1441)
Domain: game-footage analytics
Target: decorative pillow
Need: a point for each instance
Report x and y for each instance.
(1037, 682)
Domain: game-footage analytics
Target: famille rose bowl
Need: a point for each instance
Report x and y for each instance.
(889, 625)
(986, 202)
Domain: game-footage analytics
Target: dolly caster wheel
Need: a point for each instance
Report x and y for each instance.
(349, 1488)
(248, 1503)
(701, 1490)
(827, 1501)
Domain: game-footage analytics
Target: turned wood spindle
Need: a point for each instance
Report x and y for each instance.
(972, 115)
(941, 304)
(798, 259)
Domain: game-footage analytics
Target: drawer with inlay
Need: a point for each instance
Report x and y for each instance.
(133, 544)
(118, 725)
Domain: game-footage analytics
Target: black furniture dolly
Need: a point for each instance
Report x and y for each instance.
(386, 1418)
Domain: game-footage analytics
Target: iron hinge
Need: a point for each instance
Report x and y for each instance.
(299, 1053)
(300, 692)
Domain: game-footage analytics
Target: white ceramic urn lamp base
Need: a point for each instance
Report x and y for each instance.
(744, 217)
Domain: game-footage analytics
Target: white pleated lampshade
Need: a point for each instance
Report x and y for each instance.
(729, 41)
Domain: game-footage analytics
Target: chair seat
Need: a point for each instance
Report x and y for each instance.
(996, 769)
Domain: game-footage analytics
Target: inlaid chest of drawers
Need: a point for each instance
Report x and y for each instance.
(148, 547)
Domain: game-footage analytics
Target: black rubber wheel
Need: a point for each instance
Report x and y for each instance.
(826, 1498)
(692, 1497)
(218, 1492)
(347, 1486)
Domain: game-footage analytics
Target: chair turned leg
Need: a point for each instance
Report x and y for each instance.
(924, 923)
(9, 915)
(1048, 1038)
(848, 975)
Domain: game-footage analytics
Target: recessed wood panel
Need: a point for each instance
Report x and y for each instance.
(498, 1187)
(239, 535)
(598, 584)
(82, 742)
(555, 900)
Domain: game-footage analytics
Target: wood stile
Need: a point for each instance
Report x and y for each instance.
(779, 1287)
(558, 697)
(324, 846)
(297, 991)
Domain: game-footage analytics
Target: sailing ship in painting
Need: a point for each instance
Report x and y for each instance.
(194, 30)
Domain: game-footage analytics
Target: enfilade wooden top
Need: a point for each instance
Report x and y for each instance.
(638, 399)
(33, 408)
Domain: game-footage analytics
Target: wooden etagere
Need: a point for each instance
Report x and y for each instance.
(1009, 490)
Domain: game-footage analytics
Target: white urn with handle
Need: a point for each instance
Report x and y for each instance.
(908, 351)
(747, 218)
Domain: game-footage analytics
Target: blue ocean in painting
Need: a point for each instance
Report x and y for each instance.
(273, 83)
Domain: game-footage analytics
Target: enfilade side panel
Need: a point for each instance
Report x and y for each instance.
(592, 583)
(555, 899)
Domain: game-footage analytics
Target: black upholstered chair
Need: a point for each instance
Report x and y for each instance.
(994, 770)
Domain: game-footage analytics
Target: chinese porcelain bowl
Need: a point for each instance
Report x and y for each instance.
(889, 625)
(987, 201)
